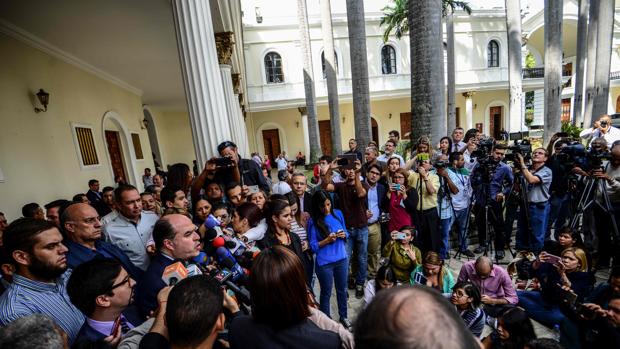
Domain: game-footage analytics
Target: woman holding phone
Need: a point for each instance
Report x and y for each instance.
(327, 236)
(402, 200)
(433, 273)
(403, 256)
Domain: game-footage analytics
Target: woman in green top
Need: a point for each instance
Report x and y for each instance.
(433, 273)
(403, 256)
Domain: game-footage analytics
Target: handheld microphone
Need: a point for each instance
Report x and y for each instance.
(174, 273)
(227, 260)
(223, 277)
(211, 222)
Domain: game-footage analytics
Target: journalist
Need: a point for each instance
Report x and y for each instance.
(491, 193)
(559, 202)
(459, 175)
(426, 216)
(602, 128)
(531, 232)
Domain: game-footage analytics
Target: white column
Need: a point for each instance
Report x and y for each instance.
(245, 143)
(469, 110)
(203, 85)
(232, 106)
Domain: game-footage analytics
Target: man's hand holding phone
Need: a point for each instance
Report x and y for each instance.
(341, 234)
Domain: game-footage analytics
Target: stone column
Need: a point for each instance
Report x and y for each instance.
(206, 102)
(469, 110)
(240, 112)
(304, 125)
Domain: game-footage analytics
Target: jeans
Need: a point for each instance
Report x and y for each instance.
(444, 229)
(358, 240)
(558, 213)
(374, 248)
(327, 275)
(460, 220)
(534, 239)
(540, 310)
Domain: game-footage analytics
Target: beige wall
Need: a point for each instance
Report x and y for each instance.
(174, 137)
(37, 152)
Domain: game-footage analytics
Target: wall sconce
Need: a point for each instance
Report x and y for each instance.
(390, 116)
(44, 99)
(144, 124)
(259, 16)
(475, 106)
(344, 119)
(297, 124)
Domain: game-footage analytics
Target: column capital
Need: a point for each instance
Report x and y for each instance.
(236, 82)
(303, 110)
(224, 43)
(469, 94)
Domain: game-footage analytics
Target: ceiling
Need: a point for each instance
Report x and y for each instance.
(132, 40)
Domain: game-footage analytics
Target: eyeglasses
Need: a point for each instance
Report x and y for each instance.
(375, 173)
(124, 281)
(459, 294)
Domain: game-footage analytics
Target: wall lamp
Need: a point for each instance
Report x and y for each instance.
(44, 99)
(145, 123)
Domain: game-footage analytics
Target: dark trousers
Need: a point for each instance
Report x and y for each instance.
(427, 224)
(495, 219)
(604, 232)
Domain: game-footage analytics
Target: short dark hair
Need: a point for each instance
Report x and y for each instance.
(28, 210)
(500, 146)
(193, 307)
(411, 317)
(279, 293)
(118, 192)
(163, 230)
(168, 194)
(21, 234)
(107, 189)
(391, 141)
(455, 155)
(231, 186)
(177, 175)
(395, 133)
(224, 145)
(518, 324)
(92, 182)
(90, 280)
(220, 206)
(78, 197)
(148, 169)
(326, 158)
(56, 203)
(251, 212)
(471, 133)
(376, 167)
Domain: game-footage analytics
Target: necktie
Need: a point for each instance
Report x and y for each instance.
(124, 326)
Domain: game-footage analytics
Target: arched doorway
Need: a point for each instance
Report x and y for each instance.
(153, 140)
(119, 148)
(375, 130)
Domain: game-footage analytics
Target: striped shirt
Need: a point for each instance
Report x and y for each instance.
(25, 297)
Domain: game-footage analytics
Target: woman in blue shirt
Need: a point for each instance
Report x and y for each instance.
(327, 236)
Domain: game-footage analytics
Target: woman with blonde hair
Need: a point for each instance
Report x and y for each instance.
(433, 273)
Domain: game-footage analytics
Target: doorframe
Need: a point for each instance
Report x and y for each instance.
(487, 115)
(268, 126)
(128, 152)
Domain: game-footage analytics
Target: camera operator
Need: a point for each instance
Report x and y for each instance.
(499, 185)
(447, 188)
(604, 326)
(602, 128)
(560, 197)
(461, 200)
(538, 178)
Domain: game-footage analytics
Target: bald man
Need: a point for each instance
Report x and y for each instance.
(408, 317)
(176, 239)
(82, 227)
(602, 128)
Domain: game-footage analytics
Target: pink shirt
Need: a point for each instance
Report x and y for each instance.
(497, 285)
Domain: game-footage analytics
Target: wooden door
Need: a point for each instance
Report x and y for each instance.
(325, 132)
(113, 141)
(271, 140)
(405, 125)
(565, 110)
(495, 122)
(375, 130)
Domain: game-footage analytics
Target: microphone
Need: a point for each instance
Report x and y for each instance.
(223, 276)
(227, 260)
(219, 242)
(174, 273)
(193, 270)
(211, 222)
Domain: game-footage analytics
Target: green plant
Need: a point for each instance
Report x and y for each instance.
(572, 130)
(530, 61)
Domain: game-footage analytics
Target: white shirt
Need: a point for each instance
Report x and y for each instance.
(385, 158)
(611, 136)
(282, 163)
(469, 165)
(460, 200)
(130, 238)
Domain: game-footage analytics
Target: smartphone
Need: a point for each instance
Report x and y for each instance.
(253, 189)
(552, 259)
(223, 161)
(117, 323)
(346, 161)
(419, 278)
(401, 236)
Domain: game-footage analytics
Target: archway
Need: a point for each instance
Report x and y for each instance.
(153, 139)
(375, 130)
(119, 148)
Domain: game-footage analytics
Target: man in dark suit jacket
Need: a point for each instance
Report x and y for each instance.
(376, 196)
(176, 239)
(103, 291)
(93, 194)
(299, 184)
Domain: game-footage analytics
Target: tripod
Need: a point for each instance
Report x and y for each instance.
(520, 197)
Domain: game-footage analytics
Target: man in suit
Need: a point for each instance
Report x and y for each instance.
(93, 194)
(103, 291)
(300, 184)
(176, 239)
(376, 206)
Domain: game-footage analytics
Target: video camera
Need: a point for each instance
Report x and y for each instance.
(576, 155)
(483, 153)
(520, 146)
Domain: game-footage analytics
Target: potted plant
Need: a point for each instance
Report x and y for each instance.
(529, 117)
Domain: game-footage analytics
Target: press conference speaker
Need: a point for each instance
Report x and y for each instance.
(176, 240)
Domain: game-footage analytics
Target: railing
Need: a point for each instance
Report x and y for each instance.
(537, 73)
(615, 75)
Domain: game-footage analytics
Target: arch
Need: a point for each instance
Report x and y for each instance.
(262, 64)
(339, 62)
(487, 118)
(153, 134)
(271, 125)
(493, 56)
(274, 71)
(389, 60)
(128, 153)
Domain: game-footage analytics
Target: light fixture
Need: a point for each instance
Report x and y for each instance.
(344, 119)
(145, 123)
(390, 116)
(44, 99)
(259, 16)
(297, 124)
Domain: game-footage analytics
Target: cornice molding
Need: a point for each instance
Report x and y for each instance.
(17, 33)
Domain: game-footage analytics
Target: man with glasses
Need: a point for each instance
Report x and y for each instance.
(376, 193)
(103, 291)
(82, 227)
(371, 156)
(299, 186)
(390, 147)
(538, 177)
(176, 239)
(35, 248)
(602, 128)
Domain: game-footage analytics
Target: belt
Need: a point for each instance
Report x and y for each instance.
(538, 204)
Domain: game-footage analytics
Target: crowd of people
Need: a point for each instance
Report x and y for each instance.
(230, 257)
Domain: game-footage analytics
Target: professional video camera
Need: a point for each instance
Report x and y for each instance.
(520, 146)
(576, 155)
(483, 153)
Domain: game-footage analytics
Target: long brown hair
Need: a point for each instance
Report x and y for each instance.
(432, 257)
(278, 283)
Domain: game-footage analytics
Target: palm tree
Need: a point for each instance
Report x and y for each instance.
(582, 32)
(513, 28)
(359, 71)
(451, 92)
(313, 124)
(329, 61)
(593, 13)
(603, 57)
(553, 67)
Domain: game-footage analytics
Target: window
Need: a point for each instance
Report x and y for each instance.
(323, 63)
(388, 60)
(85, 144)
(273, 68)
(137, 146)
(493, 54)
